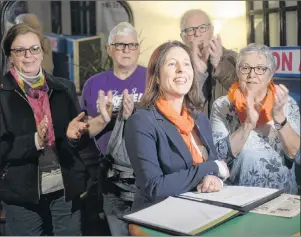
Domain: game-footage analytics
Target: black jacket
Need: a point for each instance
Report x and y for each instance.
(19, 171)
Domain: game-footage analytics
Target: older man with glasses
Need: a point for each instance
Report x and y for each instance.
(104, 96)
(215, 64)
(125, 80)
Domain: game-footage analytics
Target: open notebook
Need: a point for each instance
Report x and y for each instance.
(236, 197)
(178, 216)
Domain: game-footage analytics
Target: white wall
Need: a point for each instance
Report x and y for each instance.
(159, 21)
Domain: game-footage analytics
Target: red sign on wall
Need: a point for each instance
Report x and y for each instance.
(287, 60)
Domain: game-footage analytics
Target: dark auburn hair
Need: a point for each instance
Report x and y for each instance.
(192, 100)
(16, 30)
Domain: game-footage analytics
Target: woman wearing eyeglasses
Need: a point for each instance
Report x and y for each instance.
(256, 127)
(41, 175)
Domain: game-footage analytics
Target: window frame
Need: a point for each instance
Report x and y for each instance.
(79, 16)
(265, 11)
(56, 19)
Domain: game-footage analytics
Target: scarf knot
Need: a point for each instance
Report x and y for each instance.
(184, 123)
(37, 96)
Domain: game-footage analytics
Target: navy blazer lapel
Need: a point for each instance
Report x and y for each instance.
(174, 135)
(200, 133)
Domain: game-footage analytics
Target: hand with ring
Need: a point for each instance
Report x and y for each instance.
(210, 184)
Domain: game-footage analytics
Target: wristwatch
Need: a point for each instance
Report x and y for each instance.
(278, 126)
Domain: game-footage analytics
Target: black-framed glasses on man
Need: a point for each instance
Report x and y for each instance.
(191, 30)
(34, 50)
(121, 46)
(259, 70)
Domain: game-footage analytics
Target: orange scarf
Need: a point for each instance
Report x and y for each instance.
(239, 101)
(184, 124)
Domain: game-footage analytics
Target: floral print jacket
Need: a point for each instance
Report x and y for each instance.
(262, 161)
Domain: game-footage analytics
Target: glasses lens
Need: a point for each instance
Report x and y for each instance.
(119, 46)
(260, 70)
(35, 50)
(202, 28)
(245, 69)
(19, 52)
(133, 46)
(189, 31)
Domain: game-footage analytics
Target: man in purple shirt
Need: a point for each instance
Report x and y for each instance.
(102, 97)
(124, 49)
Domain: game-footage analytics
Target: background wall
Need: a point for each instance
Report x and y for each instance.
(42, 10)
(159, 21)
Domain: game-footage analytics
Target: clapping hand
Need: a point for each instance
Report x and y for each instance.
(200, 56)
(215, 50)
(105, 108)
(128, 104)
(253, 109)
(280, 99)
(42, 130)
(76, 128)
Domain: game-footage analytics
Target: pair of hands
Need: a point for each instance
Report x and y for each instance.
(42, 130)
(201, 53)
(254, 106)
(77, 127)
(105, 107)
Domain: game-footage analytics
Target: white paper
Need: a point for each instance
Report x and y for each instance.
(233, 195)
(285, 205)
(179, 215)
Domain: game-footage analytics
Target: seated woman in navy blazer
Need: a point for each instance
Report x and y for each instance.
(168, 140)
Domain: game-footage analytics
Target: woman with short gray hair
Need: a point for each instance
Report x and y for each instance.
(256, 127)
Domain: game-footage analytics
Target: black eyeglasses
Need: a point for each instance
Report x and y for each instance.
(121, 46)
(191, 30)
(259, 70)
(34, 50)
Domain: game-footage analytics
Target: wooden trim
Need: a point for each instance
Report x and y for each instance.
(75, 18)
(92, 17)
(282, 24)
(272, 10)
(56, 28)
(250, 22)
(255, 12)
(299, 21)
(292, 8)
(83, 23)
(266, 24)
(128, 10)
